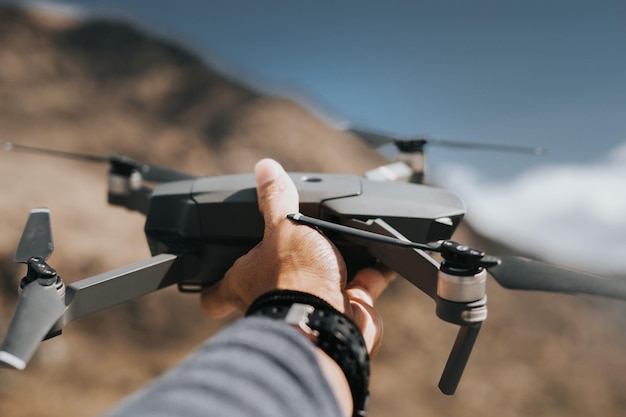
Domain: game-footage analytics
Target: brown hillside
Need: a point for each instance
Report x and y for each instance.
(104, 87)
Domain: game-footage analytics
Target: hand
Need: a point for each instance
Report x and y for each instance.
(296, 257)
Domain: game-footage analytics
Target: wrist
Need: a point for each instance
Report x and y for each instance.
(332, 331)
(308, 282)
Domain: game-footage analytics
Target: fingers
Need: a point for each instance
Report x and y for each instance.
(369, 283)
(370, 323)
(363, 291)
(277, 194)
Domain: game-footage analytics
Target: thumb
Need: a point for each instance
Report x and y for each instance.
(276, 192)
(277, 196)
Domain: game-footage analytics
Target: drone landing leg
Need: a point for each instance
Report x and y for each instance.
(458, 358)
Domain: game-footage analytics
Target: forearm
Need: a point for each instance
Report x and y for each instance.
(255, 367)
(337, 381)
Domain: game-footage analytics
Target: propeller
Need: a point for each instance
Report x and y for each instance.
(511, 272)
(41, 302)
(121, 164)
(416, 144)
(36, 240)
(520, 273)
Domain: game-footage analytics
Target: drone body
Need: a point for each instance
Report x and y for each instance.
(218, 217)
(197, 227)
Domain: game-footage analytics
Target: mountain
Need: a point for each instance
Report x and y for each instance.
(106, 87)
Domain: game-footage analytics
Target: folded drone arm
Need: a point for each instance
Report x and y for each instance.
(43, 310)
(415, 265)
(122, 284)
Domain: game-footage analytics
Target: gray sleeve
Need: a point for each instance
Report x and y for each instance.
(255, 367)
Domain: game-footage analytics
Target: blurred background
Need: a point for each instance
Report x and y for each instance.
(210, 87)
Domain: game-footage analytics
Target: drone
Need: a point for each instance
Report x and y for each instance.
(197, 227)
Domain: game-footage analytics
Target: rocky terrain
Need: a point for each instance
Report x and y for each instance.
(104, 87)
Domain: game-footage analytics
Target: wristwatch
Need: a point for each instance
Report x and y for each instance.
(332, 331)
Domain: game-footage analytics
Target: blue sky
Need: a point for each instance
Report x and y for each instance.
(546, 73)
(540, 73)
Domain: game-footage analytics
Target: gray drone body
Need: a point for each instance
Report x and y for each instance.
(197, 228)
(218, 217)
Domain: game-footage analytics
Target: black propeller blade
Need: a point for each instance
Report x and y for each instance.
(36, 240)
(151, 173)
(519, 273)
(412, 144)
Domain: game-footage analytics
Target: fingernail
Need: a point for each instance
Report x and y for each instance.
(266, 170)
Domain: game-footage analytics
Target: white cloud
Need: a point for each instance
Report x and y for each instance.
(572, 215)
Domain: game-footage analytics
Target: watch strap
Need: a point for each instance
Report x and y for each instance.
(332, 331)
